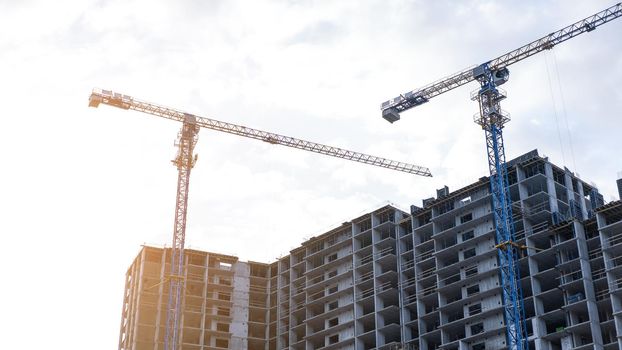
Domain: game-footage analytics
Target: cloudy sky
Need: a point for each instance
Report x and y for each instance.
(82, 188)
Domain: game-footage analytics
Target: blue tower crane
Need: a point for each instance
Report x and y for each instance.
(492, 119)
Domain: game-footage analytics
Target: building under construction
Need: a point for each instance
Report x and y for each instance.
(428, 279)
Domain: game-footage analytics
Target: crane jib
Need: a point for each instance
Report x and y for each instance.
(419, 96)
(111, 98)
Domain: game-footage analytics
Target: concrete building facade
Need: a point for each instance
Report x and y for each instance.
(457, 300)
(340, 290)
(388, 279)
(224, 304)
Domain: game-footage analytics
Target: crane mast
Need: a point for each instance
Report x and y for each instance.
(184, 161)
(492, 119)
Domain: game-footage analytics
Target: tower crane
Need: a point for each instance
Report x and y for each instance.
(492, 119)
(184, 161)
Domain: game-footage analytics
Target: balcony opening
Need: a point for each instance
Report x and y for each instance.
(222, 343)
(477, 328)
(471, 290)
(469, 253)
(468, 235)
(475, 309)
(466, 218)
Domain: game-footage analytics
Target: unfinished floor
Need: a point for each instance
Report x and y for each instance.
(388, 279)
(224, 304)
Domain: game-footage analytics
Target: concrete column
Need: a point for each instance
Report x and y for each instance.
(566, 342)
(582, 200)
(239, 311)
(550, 187)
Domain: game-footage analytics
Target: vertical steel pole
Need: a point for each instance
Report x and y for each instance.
(184, 161)
(491, 118)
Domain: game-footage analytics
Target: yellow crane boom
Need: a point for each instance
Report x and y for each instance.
(184, 162)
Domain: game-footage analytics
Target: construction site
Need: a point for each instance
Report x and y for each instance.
(428, 279)
(526, 257)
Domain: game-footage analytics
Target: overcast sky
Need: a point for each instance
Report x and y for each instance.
(82, 188)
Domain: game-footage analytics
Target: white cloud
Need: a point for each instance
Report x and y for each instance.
(83, 188)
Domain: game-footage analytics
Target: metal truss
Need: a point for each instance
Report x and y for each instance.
(128, 102)
(420, 96)
(492, 119)
(184, 161)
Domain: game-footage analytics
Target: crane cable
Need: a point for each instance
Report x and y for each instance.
(565, 115)
(562, 105)
(559, 135)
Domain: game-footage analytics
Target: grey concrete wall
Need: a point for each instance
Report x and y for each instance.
(239, 312)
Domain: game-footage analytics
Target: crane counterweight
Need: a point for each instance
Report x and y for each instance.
(391, 115)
